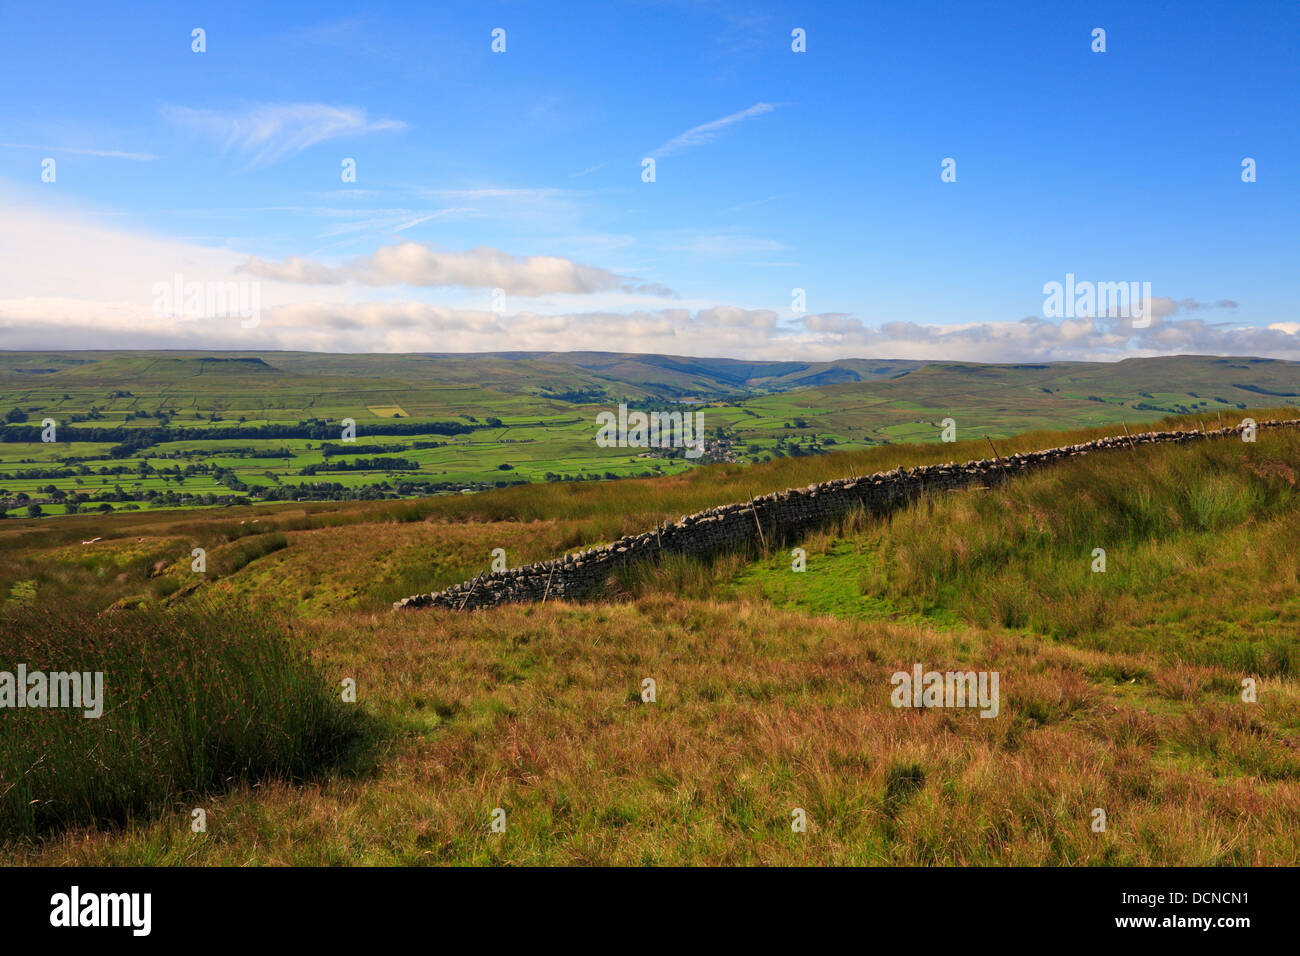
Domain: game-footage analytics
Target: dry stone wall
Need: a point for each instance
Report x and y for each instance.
(771, 519)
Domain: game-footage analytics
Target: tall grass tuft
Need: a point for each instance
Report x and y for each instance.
(243, 552)
(194, 700)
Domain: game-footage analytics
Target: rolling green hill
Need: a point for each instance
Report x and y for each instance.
(198, 429)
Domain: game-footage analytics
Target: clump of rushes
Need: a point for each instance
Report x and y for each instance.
(195, 699)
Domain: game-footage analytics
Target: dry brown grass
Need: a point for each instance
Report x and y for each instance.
(537, 710)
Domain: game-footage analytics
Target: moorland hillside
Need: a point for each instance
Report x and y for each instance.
(1161, 691)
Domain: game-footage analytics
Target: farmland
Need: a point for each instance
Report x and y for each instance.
(167, 429)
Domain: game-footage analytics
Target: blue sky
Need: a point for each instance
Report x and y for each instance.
(775, 170)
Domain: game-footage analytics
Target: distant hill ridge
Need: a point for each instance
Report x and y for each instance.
(630, 374)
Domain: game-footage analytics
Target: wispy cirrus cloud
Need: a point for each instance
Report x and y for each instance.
(708, 132)
(741, 207)
(589, 170)
(267, 133)
(390, 221)
(106, 153)
(544, 208)
(509, 194)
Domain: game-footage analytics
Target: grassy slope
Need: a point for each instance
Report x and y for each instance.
(429, 543)
(1120, 690)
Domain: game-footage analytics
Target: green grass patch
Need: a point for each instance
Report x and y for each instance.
(193, 701)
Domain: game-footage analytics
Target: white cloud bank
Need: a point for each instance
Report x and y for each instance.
(416, 264)
(68, 282)
(405, 326)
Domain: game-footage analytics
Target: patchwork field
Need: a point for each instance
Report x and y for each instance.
(165, 430)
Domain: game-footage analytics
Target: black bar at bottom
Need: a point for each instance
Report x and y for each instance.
(299, 906)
